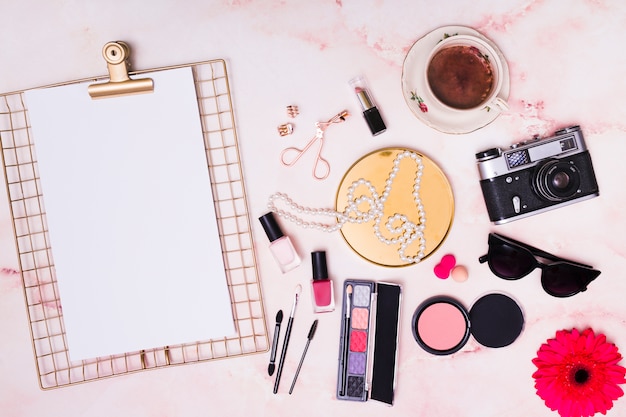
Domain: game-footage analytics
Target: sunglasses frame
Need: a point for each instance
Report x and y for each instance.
(540, 258)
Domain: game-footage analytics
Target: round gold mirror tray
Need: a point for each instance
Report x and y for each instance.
(408, 194)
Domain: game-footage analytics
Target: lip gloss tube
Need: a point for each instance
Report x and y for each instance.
(370, 111)
(280, 244)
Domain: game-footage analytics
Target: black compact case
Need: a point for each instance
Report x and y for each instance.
(368, 345)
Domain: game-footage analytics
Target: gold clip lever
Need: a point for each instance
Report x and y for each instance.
(116, 55)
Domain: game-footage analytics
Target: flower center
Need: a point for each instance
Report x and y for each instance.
(581, 376)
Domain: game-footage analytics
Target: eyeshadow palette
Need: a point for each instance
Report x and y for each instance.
(369, 340)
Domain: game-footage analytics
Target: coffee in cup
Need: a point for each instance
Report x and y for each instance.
(464, 72)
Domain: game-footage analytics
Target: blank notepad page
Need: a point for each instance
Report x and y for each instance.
(131, 218)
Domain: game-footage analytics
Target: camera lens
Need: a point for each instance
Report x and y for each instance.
(557, 180)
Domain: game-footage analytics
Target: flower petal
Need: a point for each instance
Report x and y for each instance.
(559, 362)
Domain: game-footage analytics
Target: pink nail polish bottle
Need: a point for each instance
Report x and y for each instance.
(321, 285)
(280, 245)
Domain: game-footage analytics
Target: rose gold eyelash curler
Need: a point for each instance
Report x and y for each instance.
(321, 168)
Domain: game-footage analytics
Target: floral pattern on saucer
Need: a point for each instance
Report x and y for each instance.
(420, 102)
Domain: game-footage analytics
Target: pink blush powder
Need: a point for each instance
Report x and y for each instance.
(359, 318)
(441, 326)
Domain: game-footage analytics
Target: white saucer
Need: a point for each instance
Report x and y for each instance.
(415, 91)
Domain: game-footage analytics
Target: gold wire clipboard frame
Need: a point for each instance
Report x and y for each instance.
(41, 293)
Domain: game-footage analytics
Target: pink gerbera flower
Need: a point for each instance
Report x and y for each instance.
(578, 373)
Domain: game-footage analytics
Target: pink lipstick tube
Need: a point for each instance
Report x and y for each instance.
(370, 111)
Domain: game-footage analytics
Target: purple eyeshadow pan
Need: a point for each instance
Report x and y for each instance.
(356, 363)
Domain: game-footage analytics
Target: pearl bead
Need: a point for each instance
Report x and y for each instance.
(398, 224)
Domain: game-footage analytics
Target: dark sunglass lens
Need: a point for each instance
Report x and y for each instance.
(510, 262)
(564, 280)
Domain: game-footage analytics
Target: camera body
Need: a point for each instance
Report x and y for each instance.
(537, 175)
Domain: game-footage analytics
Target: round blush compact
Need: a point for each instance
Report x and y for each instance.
(442, 325)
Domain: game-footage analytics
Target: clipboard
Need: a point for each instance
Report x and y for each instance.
(28, 216)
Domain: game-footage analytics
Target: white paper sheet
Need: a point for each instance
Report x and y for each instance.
(130, 212)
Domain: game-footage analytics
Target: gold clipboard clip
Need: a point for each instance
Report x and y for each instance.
(116, 55)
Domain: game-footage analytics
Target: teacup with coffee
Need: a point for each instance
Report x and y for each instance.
(464, 72)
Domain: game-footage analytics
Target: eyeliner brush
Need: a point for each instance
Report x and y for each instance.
(283, 353)
(279, 319)
(346, 344)
(306, 347)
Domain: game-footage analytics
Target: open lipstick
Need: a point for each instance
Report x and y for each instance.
(370, 111)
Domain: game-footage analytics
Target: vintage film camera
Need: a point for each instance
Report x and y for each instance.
(537, 175)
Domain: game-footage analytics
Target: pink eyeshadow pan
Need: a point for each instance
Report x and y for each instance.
(360, 318)
(442, 326)
(358, 341)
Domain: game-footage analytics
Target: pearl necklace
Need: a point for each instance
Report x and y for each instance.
(405, 231)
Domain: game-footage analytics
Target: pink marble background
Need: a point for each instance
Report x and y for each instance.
(566, 65)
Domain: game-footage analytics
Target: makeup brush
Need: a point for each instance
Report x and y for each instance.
(283, 353)
(306, 347)
(279, 319)
(346, 332)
